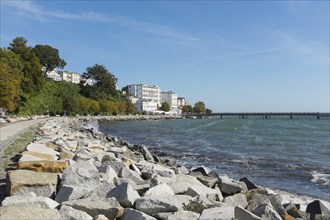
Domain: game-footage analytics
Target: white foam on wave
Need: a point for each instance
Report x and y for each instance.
(320, 178)
(93, 125)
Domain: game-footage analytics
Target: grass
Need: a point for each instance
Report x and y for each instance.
(197, 207)
(10, 154)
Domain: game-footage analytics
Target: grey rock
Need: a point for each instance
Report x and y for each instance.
(230, 187)
(130, 174)
(100, 217)
(117, 165)
(292, 210)
(266, 212)
(243, 214)
(41, 148)
(130, 214)
(181, 183)
(248, 183)
(93, 206)
(82, 173)
(152, 205)
(182, 170)
(72, 192)
(237, 199)
(146, 153)
(208, 181)
(218, 213)
(195, 190)
(70, 213)
(109, 173)
(125, 195)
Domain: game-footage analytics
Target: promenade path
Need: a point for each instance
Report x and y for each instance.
(11, 131)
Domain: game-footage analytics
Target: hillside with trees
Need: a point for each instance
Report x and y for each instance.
(24, 90)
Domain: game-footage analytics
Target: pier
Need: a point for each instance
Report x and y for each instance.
(263, 115)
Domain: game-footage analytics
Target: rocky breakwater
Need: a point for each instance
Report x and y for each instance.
(71, 172)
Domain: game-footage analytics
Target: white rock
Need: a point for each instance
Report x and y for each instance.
(130, 174)
(68, 212)
(30, 200)
(41, 148)
(152, 205)
(230, 187)
(181, 183)
(125, 195)
(109, 173)
(72, 192)
(218, 213)
(184, 215)
(160, 190)
(24, 213)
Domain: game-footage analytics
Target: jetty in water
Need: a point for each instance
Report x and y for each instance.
(263, 115)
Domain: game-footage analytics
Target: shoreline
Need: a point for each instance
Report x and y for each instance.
(110, 165)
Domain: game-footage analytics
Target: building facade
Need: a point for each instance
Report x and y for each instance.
(70, 77)
(147, 97)
(171, 98)
(181, 102)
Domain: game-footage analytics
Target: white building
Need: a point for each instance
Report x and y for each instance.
(181, 102)
(148, 97)
(53, 75)
(171, 98)
(70, 77)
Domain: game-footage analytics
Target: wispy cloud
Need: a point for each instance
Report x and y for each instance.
(31, 10)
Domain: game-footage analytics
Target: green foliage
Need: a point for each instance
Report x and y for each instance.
(197, 207)
(199, 107)
(10, 83)
(105, 86)
(33, 80)
(165, 107)
(49, 57)
(187, 109)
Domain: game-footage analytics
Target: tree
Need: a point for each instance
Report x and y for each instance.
(105, 87)
(208, 111)
(199, 107)
(49, 57)
(187, 109)
(33, 79)
(165, 107)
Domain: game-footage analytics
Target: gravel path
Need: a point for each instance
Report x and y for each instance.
(10, 132)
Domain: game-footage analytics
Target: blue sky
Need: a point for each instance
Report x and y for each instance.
(233, 55)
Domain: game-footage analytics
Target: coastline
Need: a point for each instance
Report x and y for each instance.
(80, 143)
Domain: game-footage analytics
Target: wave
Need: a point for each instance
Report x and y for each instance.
(321, 178)
(92, 125)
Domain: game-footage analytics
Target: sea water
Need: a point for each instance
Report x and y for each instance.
(285, 155)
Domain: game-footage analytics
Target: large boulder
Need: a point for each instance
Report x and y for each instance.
(72, 192)
(237, 199)
(93, 206)
(130, 214)
(146, 153)
(209, 181)
(28, 213)
(218, 213)
(125, 195)
(41, 148)
(212, 194)
(317, 207)
(68, 212)
(82, 173)
(243, 214)
(181, 183)
(29, 155)
(29, 200)
(230, 187)
(44, 166)
(160, 190)
(248, 183)
(131, 174)
(266, 212)
(152, 205)
(21, 182)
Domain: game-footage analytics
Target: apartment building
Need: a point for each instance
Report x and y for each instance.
(171, 98)
(181, 102)
(70, 77)
(147, 97)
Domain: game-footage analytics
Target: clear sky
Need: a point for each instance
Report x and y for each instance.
(233, 55)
